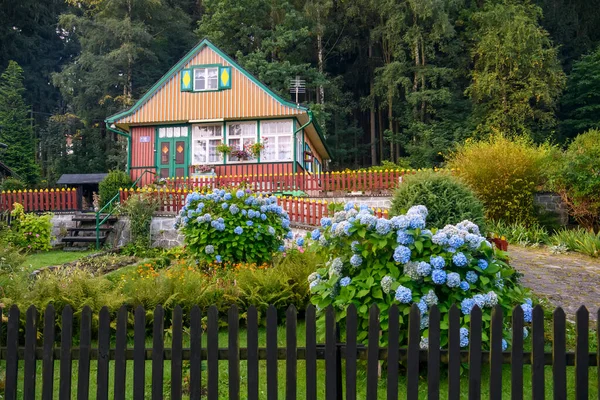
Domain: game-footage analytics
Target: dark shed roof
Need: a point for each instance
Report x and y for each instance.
(7, 171)
(80, 179)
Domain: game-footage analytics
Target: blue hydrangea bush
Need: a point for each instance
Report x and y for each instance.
(233, 226)
(402, 261)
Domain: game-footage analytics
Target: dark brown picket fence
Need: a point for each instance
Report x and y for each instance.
(25, 359)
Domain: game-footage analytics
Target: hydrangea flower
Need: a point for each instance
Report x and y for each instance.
(423, 269)
(525, 333)
(402, 254)
(504, 345)
(289, 235)
(467, 305)
(239, 194)
(300, 242)
(459, 259)
(209, 249)
(325, 222)
(527, 312)
(464, 337)
(483, 264)
(249, 223)
(424, 321)
(218, 258)
(315, 235)
(386, 284)
(345, 281)
(416, 221)
(437, 262)
(479, 300)
(314, 283)
(281, 249)
(224, 206)
(491, 299)
(403, 294)
(238, 230)
(453, 280)
(271, 231)
(430, 298)
(464, 285)
(404, 238)
(383, 226)
(471, 277)
(348, 206)
(227, 196)
(455, 241)
(424, 344)
(422, 307)
(354, 246)
(356, 260)
(438, 276)
(399, 222)
(336, 267)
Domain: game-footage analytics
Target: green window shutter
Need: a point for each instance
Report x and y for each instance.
(187, 80)
(224, 78)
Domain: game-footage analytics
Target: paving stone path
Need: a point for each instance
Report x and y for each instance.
(566, 280)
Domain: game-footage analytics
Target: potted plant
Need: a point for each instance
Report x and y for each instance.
(223, 148)
(256, 149)
(241, 155)
(203, 171)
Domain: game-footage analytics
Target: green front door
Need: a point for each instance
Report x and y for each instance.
(173, 157)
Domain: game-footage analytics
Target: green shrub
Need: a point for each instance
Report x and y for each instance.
(109, 187)
(233, 227)
(10, 258)
(386, 165)
(504, 174)
(12, 184)
(374, 261)
(448, 200)
(578, 240)
(140, 208)
(28, 231)
(577, 180)
(518, 233)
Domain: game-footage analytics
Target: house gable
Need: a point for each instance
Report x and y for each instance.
(166, 102)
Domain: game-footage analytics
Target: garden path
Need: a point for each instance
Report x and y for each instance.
(566, 280)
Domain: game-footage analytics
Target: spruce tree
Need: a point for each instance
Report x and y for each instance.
(15, 125)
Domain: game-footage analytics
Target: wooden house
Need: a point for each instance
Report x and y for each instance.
(206, 101)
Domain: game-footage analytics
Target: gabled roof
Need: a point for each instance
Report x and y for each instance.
(181, 64)
(248, 98)
(81, 179)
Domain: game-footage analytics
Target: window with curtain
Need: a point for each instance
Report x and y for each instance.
(240, 135)
(206, 79)
(205, 139)
(277, 138)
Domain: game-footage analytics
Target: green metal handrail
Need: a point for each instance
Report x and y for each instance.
(99, 212)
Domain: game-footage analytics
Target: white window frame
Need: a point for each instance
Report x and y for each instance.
(248, 137)
(277, 136)
(204, 140)
(204, 72)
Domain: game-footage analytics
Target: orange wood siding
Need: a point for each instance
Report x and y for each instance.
(245, 99)
(142, 153)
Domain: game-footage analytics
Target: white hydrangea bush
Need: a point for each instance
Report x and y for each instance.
(403, 261)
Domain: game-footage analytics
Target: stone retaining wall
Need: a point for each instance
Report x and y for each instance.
(552, 203)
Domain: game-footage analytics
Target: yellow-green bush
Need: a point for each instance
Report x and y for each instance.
(504, 174)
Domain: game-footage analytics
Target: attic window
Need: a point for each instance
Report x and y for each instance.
(206, 79)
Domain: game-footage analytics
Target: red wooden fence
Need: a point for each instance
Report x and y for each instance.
(40, 200)
(301, 210)
(313, 184)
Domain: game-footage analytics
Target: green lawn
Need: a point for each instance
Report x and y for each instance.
(53, 257)
(301, 377)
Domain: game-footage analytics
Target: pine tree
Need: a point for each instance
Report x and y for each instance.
(15, 126)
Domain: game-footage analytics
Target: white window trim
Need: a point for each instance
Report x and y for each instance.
(276, 136)
(193, 140)
(242, 137)
(206, 69)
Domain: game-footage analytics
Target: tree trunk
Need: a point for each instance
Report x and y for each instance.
(423, 105)
(320, 55)
(391, 125)
(372, 113)
(380, 127)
